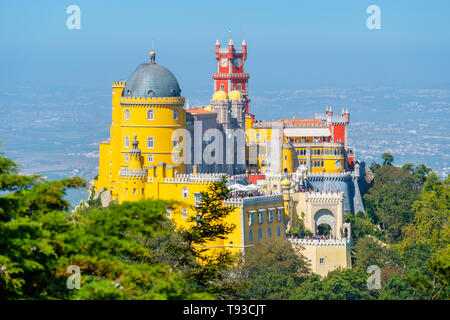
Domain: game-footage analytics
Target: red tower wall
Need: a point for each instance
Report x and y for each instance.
(338, 132)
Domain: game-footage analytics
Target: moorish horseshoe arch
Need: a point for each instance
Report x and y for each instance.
(325, 216)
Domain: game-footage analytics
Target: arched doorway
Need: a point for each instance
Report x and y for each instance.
(325, 222)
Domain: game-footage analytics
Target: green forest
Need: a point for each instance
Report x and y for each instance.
(132, 251)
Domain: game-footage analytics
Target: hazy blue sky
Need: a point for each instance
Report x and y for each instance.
(291, 44)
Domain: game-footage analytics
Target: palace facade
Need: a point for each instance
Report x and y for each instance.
(280, 172)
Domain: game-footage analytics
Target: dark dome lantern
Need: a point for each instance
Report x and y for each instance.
(152, 80)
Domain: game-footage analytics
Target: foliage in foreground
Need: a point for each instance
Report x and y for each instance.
(131, 251)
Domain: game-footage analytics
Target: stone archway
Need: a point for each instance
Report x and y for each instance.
(324, 216)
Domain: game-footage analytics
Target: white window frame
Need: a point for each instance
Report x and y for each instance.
(168, 213)
(175, 114)
(261, 217)
(270, 219)
(127, 114)
(152, 139)
(150, 158)
(185, 193)
(279, 214)
(127, 142)
(251, 218)
(184, 213)
(197, 198)
(152, 113)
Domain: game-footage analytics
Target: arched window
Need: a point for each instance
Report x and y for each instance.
(127, 114)
(150, 114)
(250, 236)
(185, 193)
(175, 114)
(127, 142)
(184, 213)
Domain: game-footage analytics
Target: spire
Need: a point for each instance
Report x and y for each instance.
(152, 54)
(230, 43)
(243, 43)
(135, 143)
(217, 42)
(135, 152)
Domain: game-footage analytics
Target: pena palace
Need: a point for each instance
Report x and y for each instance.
(282, 173)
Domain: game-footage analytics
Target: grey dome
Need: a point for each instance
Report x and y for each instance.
(151, 80)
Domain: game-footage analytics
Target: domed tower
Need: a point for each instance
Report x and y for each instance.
(134, 176)
(149, 105)
(153, 109)
(221, 105)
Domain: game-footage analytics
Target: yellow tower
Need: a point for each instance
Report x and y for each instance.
(149, 105)
(133, 177)
(287, 159)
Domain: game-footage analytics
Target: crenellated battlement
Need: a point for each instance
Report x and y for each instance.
(325, 196)
(200, 178)
(148, 101)
(275, 175)
(317, 242)
(119, 84)
(126, 173)
(329, 175)
(334, 119)
(254, 200)
(264, 124)
(235, 202)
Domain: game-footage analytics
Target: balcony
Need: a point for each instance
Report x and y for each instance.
(231, 76)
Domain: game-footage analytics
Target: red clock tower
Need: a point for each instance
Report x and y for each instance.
(230, 70)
